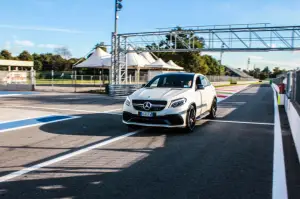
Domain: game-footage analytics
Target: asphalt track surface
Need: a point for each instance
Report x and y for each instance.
(231, 157)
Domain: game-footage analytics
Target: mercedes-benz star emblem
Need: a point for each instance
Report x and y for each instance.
(147, 106)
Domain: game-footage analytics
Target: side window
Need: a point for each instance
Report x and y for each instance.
(203, 81)
(198, 81)
(208, 82)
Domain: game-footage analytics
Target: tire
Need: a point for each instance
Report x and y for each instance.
(213, 110)
(190, 120)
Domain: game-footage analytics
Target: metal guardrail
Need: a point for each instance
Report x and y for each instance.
(122, 89)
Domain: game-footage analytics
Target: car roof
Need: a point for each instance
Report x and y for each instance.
(176, 73)
(179, 73)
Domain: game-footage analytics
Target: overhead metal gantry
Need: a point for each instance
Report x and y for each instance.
(228, 38)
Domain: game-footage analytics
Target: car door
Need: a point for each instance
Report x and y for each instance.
(205, 94)
(198, 96)
(211, 93)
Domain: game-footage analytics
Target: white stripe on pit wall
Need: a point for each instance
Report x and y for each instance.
(65, 109)
(279, 187)
(64, 157)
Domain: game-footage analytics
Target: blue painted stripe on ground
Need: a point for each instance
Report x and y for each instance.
(16, 92)
(34, 121)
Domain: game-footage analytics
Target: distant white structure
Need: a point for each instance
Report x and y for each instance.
(135, 60)
(148, 57)
(16, 63)
(14, 75)
(159, 64)
(99, 59)
(175, 66)
(144, 61)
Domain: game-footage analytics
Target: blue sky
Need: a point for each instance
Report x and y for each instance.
(41, 25)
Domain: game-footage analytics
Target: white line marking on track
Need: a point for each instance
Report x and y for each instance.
(239, 122)
(64, 157)
(10, 95)
(65, 109)
(39, 124)
(279, 187)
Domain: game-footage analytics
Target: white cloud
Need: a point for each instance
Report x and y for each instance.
(38, 28)
(255, 57)
(51, 46)
(26, 43)
(273, 46)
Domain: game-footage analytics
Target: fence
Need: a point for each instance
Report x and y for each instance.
(214, 78)
(70, 81)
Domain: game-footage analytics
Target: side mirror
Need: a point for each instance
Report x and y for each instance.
(200, 87)
(143, 85)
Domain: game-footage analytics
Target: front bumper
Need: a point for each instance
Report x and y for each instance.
(168, 121)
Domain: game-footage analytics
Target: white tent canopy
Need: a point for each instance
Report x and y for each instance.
(134, 59)
(99, 59)
(159, 64)
(148, 57)
(175, 66)
(102, 59)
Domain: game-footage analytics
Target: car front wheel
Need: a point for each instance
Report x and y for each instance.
(213, 110)
(190, 120)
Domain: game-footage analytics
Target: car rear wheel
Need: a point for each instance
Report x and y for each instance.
(190, 120)
(213, 110)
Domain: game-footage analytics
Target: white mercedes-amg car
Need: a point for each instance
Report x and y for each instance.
(172, 100)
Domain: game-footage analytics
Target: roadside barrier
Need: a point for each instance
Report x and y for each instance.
(122, 89)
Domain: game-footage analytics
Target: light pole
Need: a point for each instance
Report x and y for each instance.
(248, 63)
(113, 70)
(221, 57)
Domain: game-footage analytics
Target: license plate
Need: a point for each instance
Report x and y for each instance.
(146, 114)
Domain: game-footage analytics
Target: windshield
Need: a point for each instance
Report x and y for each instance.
(171, 81)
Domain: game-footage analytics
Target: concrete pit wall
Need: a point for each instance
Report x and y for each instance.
(17, 87)
(294, 120)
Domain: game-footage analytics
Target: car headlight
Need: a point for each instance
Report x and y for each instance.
(127, 102)
(178, 102)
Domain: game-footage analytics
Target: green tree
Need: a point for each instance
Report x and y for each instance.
(38, 65)
(262, 76)
(266, 70)
(25, 56)
(6, 54)
(277, 71)
(63, 52)
(256, 73)
(191, 61)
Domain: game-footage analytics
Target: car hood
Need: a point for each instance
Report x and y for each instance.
(158, 93)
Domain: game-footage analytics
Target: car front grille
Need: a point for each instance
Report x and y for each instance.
(166, 120)
(157, 105)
